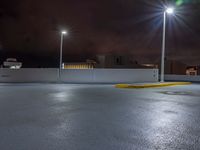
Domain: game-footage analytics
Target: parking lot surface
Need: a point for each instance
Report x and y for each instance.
(98, 117)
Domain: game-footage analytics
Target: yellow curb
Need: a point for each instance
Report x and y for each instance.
(153, 85)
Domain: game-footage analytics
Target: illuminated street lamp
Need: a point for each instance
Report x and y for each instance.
(170, 11)
(61, 50)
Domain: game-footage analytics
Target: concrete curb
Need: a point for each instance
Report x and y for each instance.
(152, 85)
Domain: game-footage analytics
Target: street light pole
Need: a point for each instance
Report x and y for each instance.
(61, 51)
(163, 49)
(162, 73)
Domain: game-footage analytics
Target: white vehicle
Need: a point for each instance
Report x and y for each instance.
(12, 63)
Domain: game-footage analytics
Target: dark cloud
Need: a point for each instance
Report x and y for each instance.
(32, 27)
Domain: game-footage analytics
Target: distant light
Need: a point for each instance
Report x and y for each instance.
(169, 10)
(64, 32)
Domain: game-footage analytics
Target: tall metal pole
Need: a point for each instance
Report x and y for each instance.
(61, 50)
(163, 50)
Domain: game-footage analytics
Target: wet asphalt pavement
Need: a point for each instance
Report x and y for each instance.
(98, 117)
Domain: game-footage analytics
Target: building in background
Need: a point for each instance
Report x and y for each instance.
(89, 64)
(175, 67)
(180, 68)
(192, 70)
(124, 61)
(116, 61)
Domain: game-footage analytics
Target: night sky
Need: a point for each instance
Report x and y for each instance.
(30, 30)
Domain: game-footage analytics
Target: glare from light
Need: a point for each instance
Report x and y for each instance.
(64, 32)
(169, 10)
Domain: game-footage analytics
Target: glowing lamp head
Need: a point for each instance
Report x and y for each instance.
(64, 32)
(169, 10)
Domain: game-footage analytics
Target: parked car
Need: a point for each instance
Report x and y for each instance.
(12, 63)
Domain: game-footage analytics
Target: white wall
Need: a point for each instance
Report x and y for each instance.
(182, 78)
(28, 75)
(110, 75)
(79, 75)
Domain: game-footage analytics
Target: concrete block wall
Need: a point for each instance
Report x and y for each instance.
(110, 75)
(182, 78)
(28, 75)
(79, 75)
